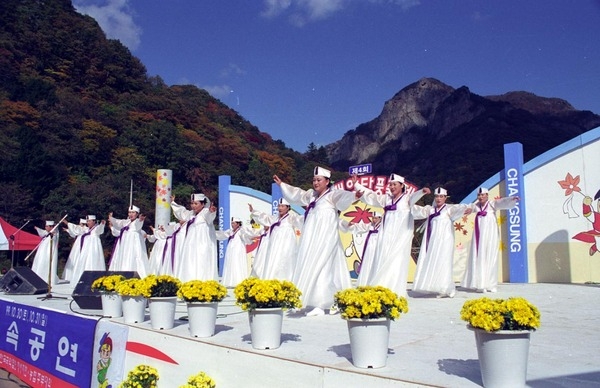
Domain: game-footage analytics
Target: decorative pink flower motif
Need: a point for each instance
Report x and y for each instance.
(570, 184)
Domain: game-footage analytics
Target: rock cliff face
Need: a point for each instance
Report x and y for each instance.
(437, 135)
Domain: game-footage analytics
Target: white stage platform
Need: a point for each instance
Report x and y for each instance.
(429, 346)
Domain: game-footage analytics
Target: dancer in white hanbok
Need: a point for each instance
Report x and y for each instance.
(163, 248)
(369, 248)
(481, 272)
(49, 244)
(283, 240)
(74, 231)
(198, 260)
(321, 269)
(390, 267)
(235, 268)
(173, 248)
(129, 251)
(260, 252)
(91, 255)
(436, 257)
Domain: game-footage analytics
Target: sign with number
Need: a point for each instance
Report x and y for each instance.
(361, 169)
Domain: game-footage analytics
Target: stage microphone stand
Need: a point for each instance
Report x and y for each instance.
(12, 242)
(49, 294)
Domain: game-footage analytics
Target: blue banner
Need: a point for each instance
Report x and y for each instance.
(46, 348)
(224, 214)
(517, 232)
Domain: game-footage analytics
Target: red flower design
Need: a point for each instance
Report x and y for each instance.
(570, 184)
(359, 215)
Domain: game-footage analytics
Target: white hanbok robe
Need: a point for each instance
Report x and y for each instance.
(260, 255)
(129, 252)
(235, 268)
(435, 264)
(367, 256)
(91, 255)
(198, 260)
(481, 272)
(75, 231)
(390, 267)
(41, 261)
(282, 249)
(172, 250)
(321, 268)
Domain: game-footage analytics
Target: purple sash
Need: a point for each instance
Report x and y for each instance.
(481, 213)
(371, 232)
(190, 222)
(278, 223)
(392, 207)
(431, 217)
(314, 203)
(83, 236)
(123, 230)
(173, 239)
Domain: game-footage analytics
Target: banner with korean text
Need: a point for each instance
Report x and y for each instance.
(46, 348)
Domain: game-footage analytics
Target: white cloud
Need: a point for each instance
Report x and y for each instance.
(301, 12)
(115, 17)
(218, 91)
(231, 70)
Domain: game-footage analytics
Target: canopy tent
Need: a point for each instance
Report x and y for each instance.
(23, 241)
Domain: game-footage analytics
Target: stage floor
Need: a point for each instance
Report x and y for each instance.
(429, 346)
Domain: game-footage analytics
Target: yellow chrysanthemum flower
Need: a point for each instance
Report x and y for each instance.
(370, 302)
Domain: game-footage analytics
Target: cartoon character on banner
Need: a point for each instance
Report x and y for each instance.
(359, 221)
(592, 236)
(105, 351)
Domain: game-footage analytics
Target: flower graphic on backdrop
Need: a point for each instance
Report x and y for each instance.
(570, 185)
(592, 236)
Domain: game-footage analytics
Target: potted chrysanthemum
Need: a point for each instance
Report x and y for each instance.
(133, 293)
(368, 311)
(162, 294)
(200, 380)
(142, 376)
(111, 300)
(265, 301)
(202, 298)
(502, 330)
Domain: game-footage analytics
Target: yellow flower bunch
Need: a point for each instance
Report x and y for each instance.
(201, 380)
(254, 293)
(370, 302)
(501, 314)
(202, 291)
(142, 376)
(107, 283)
(132, 287)
(161, 285)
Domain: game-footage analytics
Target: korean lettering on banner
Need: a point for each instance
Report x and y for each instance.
(45, 347)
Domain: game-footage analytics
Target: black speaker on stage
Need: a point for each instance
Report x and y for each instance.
(22, 281)
(89, 299)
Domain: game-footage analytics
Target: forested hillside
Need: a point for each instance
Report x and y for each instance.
(80, 118)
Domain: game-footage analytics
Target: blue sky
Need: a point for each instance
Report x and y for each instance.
(310, 70)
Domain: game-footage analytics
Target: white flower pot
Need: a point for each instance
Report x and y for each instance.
(202, 318)
(162, 312)
(503, 357)
(369, 341)
(134, 309)
(111, 305)
(265, 327)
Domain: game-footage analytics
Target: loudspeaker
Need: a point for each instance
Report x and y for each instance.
(89, 299)
(22, 281)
